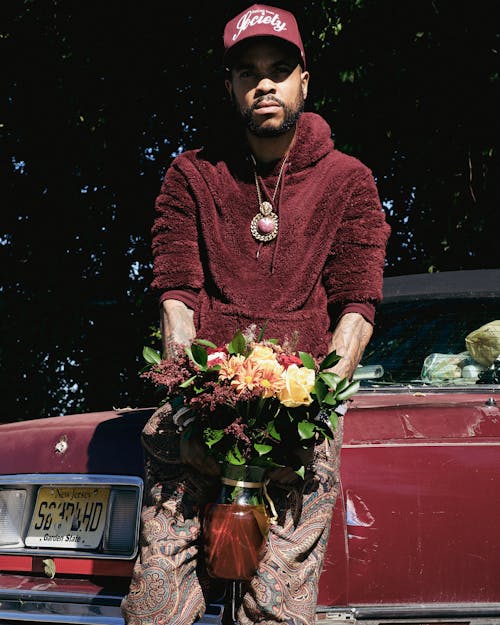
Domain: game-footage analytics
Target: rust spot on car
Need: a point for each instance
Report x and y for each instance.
(357, 512)
(408, 427)
(62, 445)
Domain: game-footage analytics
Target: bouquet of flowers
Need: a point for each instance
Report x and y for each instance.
(252, 401)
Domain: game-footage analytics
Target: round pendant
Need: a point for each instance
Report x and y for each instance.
(264, 226)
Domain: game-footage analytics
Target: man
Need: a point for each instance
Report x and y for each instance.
(271, 225)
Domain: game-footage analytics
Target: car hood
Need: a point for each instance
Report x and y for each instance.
(100, 443)
(109, 442)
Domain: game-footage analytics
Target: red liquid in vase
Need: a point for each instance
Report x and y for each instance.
(234, 537)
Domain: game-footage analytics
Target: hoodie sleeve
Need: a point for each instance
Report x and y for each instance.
(354, 269)
(176, 258)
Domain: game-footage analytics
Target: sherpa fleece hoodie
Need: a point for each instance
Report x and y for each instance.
(329, 251)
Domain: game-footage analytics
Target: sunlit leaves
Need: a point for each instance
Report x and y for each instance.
(151, 356)
(307, 360)
(238, 344)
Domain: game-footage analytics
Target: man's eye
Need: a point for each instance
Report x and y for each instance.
(246, 74)
(283, 70)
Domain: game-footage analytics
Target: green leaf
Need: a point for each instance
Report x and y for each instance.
(234, 456)
(205, 343)
(334, 419)
(211, 437)
(193, 355)
(331, 399)
(301, 471)
(351, 390)
(320, 390)
(325, 432)
(329, 361)
(151, 355)
(238, 344)
(265, 461)
(200, 355)
(189, 354)
(272, 431)
(261, 333)
(344, 383)
(187, 382)
(305, 429)
(307, 360)
(330, 379)
(262, 450)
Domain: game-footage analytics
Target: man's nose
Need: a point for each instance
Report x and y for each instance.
(265, 85)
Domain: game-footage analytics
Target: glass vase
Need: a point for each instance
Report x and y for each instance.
(235, 527)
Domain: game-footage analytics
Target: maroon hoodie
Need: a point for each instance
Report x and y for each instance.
(329, 251)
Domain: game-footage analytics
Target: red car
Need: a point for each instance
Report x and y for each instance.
(415, 536)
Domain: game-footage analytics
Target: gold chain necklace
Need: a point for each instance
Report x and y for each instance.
(264, 226)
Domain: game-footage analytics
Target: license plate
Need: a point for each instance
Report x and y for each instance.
(68, 517)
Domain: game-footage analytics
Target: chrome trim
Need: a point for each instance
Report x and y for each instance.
(415, 611)
(35, 480)
(58, 596)
(407, 389)
(78, 614)
(449, 610)
(83, 479)
(48, 612)
(76, 608)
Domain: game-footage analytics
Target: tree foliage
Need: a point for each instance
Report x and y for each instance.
(98, 97)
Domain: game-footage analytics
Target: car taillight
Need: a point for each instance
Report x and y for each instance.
(12, 504)
(120, 531)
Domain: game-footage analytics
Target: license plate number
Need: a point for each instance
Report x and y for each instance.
(68, 517)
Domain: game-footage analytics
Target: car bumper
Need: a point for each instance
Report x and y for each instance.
(79, 602)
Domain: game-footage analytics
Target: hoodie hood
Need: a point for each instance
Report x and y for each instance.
(313, 141)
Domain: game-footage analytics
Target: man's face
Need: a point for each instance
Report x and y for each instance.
(268, 87)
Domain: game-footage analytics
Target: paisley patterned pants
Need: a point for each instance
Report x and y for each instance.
(169, 585)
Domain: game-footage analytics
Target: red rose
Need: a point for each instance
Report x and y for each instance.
(217, 355)
(286, 360)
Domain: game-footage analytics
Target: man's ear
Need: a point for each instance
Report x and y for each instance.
(304, 80)
(229, 88)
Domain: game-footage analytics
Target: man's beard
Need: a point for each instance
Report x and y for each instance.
(292, 114)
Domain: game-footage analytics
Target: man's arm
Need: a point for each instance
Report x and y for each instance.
(177, 327)
(349, 340)
(176, 324)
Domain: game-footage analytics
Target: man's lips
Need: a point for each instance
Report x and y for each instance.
(266, 107)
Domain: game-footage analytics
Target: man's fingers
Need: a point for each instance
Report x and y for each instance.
(284, 475)
(194, 453)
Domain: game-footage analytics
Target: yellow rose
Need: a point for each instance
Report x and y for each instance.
(299, 382)
(262, 352)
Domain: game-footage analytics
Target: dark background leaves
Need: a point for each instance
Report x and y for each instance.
(98, 96)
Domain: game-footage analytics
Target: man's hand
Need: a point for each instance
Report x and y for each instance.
(349, 340)
(177, 328)
(176, 324)
(286, 475)
(194, 453)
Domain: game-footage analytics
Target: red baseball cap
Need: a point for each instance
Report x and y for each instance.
(261, 20)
